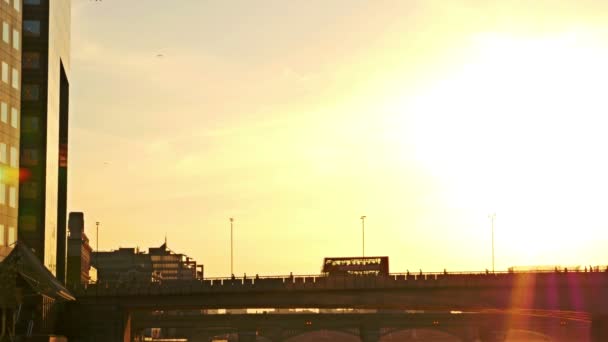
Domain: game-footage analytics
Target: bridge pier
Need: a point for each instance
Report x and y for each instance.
(599, 328)
(100, 323)
(368, 334)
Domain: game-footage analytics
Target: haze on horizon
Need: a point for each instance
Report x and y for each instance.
(296, 118)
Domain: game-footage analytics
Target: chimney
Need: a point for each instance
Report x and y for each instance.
(76, 225)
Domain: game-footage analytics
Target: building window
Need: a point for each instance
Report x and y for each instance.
(29, 190)
(27, 223)
(31, 2)
(16, 39)
(4, 72)
(12, 197)
(31, 92)
(31, 28)
(2, 240)
(5, 32)
(3, 153)
(2, 194)
(29, 157)
(31, 60)
(4, 112)
(14, 117)
(17, 5)
(14, 157)
(12, 235)
(30, 124)
(15, 79)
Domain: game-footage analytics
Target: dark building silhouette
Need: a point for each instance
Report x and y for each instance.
(170, 265)
(123, 264)
(79, 252)
(28, 294)
(160, 263)
(10, 109)
(44, 131)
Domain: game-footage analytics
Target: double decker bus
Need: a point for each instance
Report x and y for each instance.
(355, 266)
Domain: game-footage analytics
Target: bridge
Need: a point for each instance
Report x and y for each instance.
(560, 297)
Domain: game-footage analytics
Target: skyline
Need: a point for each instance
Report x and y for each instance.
(296, 122)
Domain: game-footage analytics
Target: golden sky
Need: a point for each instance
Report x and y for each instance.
(298, 117)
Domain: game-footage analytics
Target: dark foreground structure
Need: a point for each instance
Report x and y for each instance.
(32, 301)
(561, 304)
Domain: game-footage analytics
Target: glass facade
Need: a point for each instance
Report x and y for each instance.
(45, 89)
(10, 97)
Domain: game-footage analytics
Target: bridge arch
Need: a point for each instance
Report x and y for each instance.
(547, 328)
(204, 335)
(427, 333)
(323, 335)
(528, 335)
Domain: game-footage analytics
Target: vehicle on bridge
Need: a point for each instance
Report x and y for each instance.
(355, 266)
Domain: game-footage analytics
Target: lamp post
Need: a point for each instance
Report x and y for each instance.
(97, 243)
(492, 218)
(231, 246)
(363, 233)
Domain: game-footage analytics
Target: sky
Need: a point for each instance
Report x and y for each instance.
(298, 117)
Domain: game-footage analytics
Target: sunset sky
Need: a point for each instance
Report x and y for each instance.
(298, 117)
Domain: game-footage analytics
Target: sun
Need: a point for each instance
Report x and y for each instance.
(518, 130)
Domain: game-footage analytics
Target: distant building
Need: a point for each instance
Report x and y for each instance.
(79, 252)
(170, 265)
(160, 263)
(122, 265)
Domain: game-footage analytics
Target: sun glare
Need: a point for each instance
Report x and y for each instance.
(518, 130)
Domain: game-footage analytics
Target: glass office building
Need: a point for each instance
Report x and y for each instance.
(44, 131)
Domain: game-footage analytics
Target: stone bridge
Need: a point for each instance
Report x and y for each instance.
(583, 293)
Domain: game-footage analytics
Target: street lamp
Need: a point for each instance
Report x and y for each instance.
(363, 232)
(97, 243)
(231, 247)
(492, 218)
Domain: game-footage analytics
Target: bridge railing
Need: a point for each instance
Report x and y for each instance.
(315, 281)
(415, 275)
